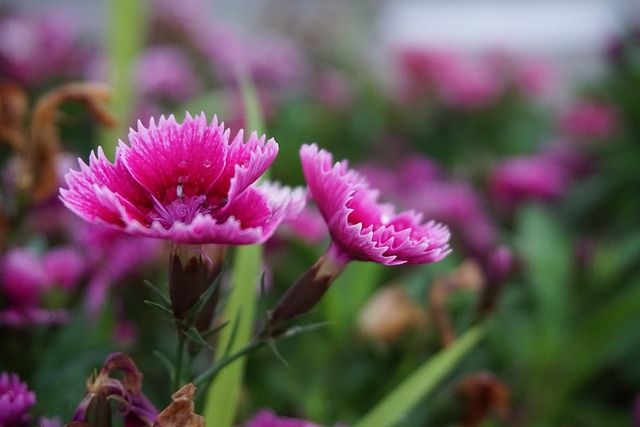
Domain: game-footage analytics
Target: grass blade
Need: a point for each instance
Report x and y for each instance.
(423, 380)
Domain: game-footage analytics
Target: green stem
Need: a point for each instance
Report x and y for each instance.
(177, 380)
(209, 374)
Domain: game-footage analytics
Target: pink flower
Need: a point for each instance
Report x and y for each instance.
(527, 178)
(361, 228)
(22, 277)
(590, 119)
(165, 71)
(458, 83)
(34, 49)
(64, 267)
(416, 183)
(266, 418)
(185, 182)
(15, 400)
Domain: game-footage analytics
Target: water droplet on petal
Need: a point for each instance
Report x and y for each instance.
(207, 163)
(183, 164)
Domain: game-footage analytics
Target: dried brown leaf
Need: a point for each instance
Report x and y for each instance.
(180, 412)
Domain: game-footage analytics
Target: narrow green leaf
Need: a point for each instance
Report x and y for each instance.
(193, 335)
(161, 309)
(421, 382)
(165, 300)
(206, 334)
(166, 362)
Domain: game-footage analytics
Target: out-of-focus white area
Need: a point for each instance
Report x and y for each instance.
(529, 27)
(569, 34)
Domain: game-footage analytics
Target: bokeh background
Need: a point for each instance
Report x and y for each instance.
(516, 123)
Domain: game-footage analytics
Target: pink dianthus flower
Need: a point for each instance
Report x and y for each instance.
(362, 228)
(185, 182)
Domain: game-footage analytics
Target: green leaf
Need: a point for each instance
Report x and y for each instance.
(210, 332)
(547, 254)
(157, 292)
(161, 309)
(194, 336)
(421, 382)
(166, 362)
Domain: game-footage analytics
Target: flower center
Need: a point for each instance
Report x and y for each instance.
(183, 209)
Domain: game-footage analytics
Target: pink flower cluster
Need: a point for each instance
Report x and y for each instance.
(26, 277)
(33, 49)
(469, 84)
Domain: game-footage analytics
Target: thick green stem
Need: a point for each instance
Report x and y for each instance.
(177, 381)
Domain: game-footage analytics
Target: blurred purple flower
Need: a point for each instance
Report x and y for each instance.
(26, 316)
(23, 277)
(361, 228)
(267, 418)
(269, 62)
(334, 90)
(64, 267)
(527, 178)
(534, 77)
(308, 226)
(590, 119)
(184, 182)
(36, 48)
(26, 276)
(457, 83)
(15, 400)
(165, 72)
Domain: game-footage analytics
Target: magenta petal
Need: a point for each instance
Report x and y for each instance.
(249, 161)
(163, 156)
(362, 227)
(91, 192)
